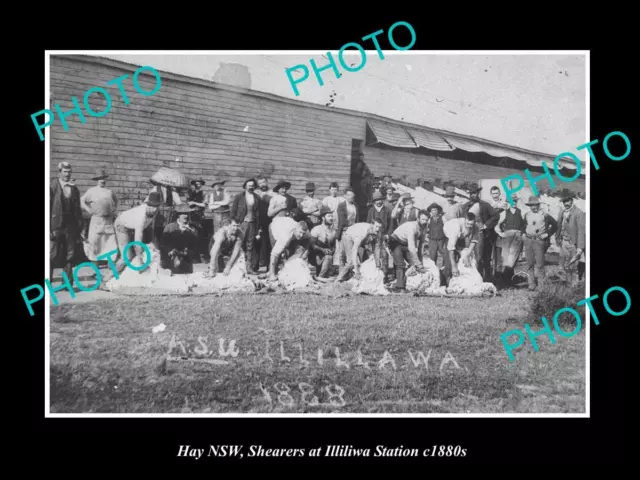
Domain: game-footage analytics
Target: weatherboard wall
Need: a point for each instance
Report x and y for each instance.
(208, 131)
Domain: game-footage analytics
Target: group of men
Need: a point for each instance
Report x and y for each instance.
(269, 226)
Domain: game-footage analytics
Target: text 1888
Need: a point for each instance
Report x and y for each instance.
(335, 398)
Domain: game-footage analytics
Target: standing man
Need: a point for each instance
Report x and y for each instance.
(539, 227)
(406, 243)
(359, 235)
(347, 216)
(511, 228)
(179, 242)
(102, 204)
(383, 215)
(571, 238)
(437, 239)
(66, 222)
(265, 220)
(496, 201)
(404, 210)
(289, 237)
(280, 204)
(227, 243)
(323, 243)
(245, 211)
(219, 204)
(453, 209)
(461, 233)
(311, 206)
(332, 201)
(196, 199)
(136, 223)
(487, 219)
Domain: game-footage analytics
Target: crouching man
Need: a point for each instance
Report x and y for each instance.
(289, 238)
(406, 243)
(361, 235)
(227, 245)
(323, 243)
(134, 225)
(461, 233)
(179, 242)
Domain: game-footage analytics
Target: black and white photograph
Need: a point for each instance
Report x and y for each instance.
(314, 233)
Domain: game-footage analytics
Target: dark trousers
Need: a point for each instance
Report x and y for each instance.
(381, 254)
(400, 254)
(484, 249)
(440, 246)
(321, 262)
(265, 245)
(179, 264)
(251, 251)
(65, 249)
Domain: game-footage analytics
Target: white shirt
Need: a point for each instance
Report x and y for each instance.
(134, 218)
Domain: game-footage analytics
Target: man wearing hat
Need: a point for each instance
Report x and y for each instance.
(571, 238)
(379, 212)
(245, 210)
(265, 194)
(437, 238)
(511, 230)
(404, 211)
(280, 204)
(539, 227)
(323, 243)
(487, 219)
(137, 224)
(453, 209)
(102, 205)
(311, 206)
(66, 222)
(178, 243)
(219, 204)
(196, 199)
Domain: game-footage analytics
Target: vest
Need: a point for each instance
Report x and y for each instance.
(436, 231)
(218, 197)
(514, 221)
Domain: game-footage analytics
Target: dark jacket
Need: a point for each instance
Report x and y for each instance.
(56, 197)
(489, 216)
(239, 207)
(343, 214)
(576, 227)
(385, 218)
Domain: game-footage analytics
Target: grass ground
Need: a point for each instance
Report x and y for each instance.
(105, 358)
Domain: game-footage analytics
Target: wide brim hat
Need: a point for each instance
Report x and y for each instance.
(155, 199)
(324, 210)
(474, 187)
(395, 197)
(218, 182)
(101, 173)
(450, 192)
(405, 196)
(567, 196)
(244, 185)
(435, 205)
(309, 187)
(378, 196)
(281, 184)
(193, 182)
(183, 208)
(533, 200)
